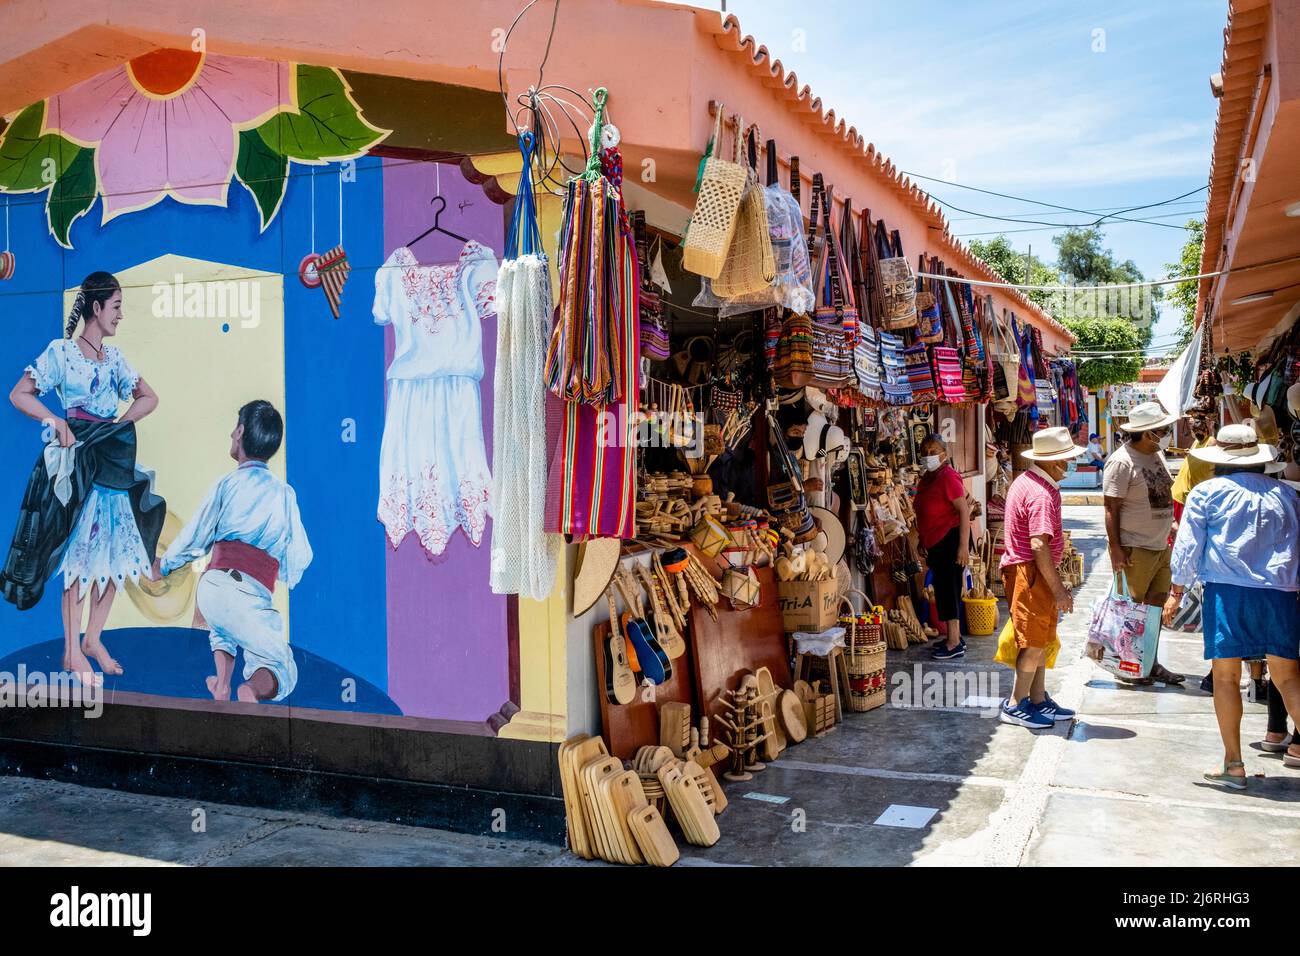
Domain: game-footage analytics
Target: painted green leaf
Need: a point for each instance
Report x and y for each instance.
(24, 153)
(72, 196)
(263, 172)
(328, 124)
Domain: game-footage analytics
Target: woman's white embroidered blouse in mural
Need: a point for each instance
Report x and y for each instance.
(105, 545)
(433, 471)
(94, 387)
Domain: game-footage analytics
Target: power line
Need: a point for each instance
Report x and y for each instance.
(1106, 209)
(1039, 202)
(1057, 225)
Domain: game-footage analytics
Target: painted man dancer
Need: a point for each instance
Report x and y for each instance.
(250, 522)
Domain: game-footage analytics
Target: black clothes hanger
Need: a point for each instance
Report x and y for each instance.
(441, 203)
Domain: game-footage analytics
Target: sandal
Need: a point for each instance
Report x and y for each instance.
(1230, 780)
(1165, 676)
(1291, 760)
(1277, 746)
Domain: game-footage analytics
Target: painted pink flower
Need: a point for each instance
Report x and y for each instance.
(167, 124)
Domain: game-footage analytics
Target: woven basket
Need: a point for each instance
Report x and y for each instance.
(864, 654)
(713, 223)
(981, 615)
(751, 263)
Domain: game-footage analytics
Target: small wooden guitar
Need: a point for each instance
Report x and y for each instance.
(654, 662)
(670, 638)
(620, 681)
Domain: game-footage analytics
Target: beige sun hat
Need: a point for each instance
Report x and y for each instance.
(1147, 416)
(598, 559)
(1237, 445)
(1053, 444)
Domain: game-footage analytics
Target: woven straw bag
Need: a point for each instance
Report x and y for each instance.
(751, 263)
(897, 283)
(713, 223)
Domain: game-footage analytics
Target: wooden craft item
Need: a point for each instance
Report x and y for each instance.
(691, 810)
(583, 753)
(589, 775)
(708, 785)
(575, 820)
(665, 624)
(655, 842)
(597, 562)
(616, 821)
(620, 681)
(629, 726)
(675, 727)
(627, 798)
(790, 709)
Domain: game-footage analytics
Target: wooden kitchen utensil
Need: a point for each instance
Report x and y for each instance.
(655, 842)
(790, 708)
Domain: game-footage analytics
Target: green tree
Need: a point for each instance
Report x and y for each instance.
(1183, 295)
(1083, 260)
(1118, 339)
(1010, 265)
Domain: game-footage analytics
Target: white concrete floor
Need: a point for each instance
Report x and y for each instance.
(1122, 785)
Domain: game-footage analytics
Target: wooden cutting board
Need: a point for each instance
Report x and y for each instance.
(624, 794)
(598, 806)
(652, 836)
(582, 753)
(790, 708)
(575, 821)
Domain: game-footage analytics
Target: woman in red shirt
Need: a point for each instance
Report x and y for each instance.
(943, 525)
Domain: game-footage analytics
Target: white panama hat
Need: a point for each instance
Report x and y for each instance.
(1147, 416)
(1053, 444)
(1236, 445)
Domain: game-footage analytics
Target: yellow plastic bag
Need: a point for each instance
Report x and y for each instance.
(1008, 651)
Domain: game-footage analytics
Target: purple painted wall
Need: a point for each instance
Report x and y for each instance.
(447, 632)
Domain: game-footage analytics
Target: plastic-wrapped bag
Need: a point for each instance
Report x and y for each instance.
(793, 286)
(1128, 632)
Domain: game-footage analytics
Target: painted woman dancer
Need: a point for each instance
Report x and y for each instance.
(88, 513)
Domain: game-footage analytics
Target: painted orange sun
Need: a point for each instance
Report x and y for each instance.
(163, 74)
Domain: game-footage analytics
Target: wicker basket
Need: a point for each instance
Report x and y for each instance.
(864, 654)
(713, 223)
(751, 264)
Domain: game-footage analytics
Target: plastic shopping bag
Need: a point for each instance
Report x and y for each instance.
(1008, 649)
(1188, 616)
(1128, 632)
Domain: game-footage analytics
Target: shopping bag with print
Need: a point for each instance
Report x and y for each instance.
(1128, 632)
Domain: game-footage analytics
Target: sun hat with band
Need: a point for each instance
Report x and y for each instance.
(1237, 445)
(1053, 444)
(1148, 416)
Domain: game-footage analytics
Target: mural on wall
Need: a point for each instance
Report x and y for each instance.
(180, 124)
(289, 484)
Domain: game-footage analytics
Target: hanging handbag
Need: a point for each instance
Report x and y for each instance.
(897, 283)
(895, 383)
(654, 330)
(948, 374)
(751, 265)
(713, 223)
(919, 376)
(1026, 396)
(929, 316)
(835, 307)
(867, 363)
(794, 366)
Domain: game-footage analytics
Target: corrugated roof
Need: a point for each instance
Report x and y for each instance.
(801, 100)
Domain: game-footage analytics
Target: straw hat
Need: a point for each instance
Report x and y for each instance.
(1147, 416)
(833, 528)
(597, 562)
(1053, 444)
(1236, 445)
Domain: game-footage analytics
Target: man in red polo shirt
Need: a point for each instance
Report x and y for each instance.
(1035, 593)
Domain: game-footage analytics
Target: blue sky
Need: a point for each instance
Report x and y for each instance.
(1097, 106)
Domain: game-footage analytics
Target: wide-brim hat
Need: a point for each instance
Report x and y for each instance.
(1147, 416)
(833, 528)
(1237, 445)
(1053, 444)
(597, 562)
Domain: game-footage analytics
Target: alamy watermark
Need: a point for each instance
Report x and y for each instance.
(921, 689)
(231, 299)
(39, 689)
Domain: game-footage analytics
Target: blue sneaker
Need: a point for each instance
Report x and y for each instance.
(1024, 714)
(1050, 708)
(945, 653)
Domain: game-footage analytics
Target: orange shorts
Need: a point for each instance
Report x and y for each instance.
(1033, 609)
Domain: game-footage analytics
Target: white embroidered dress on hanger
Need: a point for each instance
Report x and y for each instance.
(433, 470)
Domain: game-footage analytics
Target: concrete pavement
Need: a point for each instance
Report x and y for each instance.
(1122, 785)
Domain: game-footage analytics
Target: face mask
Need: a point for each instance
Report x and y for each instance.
(931, 462)
(1164, 442)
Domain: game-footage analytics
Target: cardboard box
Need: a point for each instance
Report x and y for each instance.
(808, 605)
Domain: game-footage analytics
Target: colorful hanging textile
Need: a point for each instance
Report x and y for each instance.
(524, 556)
(654, 329)
(592, 483)
(585, 348)
(948, 374)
